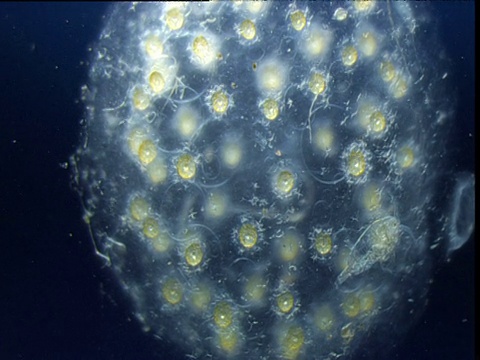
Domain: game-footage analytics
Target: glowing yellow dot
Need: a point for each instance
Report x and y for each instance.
(378, 123)
(351, 306)
(200, 46)
(174, 19)
(228, 339)
(159, 240)
(405, 157)
(317, 42)
(367, 44)
(151, 229)
(285, 182)
(292, 342)
(387, 71)
(372, 198)
(186, 167)
(317, 83)
(194, 254)
(323, 243)
(135, 139)
(285, 302)
(298, 20)
(364, 114)
(349, 56)
(204, 51)
(340, 14)
(172, 291)
(364, 5)
(161, 243)
(186, 121)
(216, 205)
(399, 88)
(223, 314)
(356, 163)
(147, 152)
(248, 30)
(157, 171)
(256, 6)
(201, 297)
(271, 76)
(139, 209)
(232, 154)
(367, 301)
(324, 318)
(270, 109)
(344, 256)
(324, 139)
(248, 235)
(140, 99)
(220, 102)
(157, 82)
(289, 247)
(255, 289)
(154, 47)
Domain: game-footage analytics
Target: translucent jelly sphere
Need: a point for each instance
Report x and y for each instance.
(260, 176)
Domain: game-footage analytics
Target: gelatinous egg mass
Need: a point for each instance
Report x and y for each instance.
(270, 180)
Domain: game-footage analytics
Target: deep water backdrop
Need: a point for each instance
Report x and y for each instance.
(56, 301)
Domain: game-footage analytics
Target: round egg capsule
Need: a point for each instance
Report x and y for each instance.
(298, 20)
(200, 297)
(248, 235)
(232, 154)
(270, 109)
(186, 121)
(285, 302)
(317, 83)
(223, 314)
(349, 56)
(289, 246)
(174, 18)
(157, 82)
(139, 208)
(316, 42)
(172, 291)
(186, 167)
(147, 152)
(405, 157)
(292, 341)
(154, 47)
(194, 254)
(272, 76)
(285, 182)
(356, 164)
(229, 339)
(324, 318)
(140, 99)
(219, 102)
(205, 51)
(323, 243)
(247, 30)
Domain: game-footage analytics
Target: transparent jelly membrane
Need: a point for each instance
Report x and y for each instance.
(375, 245)
(259, 176)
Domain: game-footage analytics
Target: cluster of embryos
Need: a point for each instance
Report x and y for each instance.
(258, 175)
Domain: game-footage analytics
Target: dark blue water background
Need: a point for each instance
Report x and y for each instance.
(55, 300)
